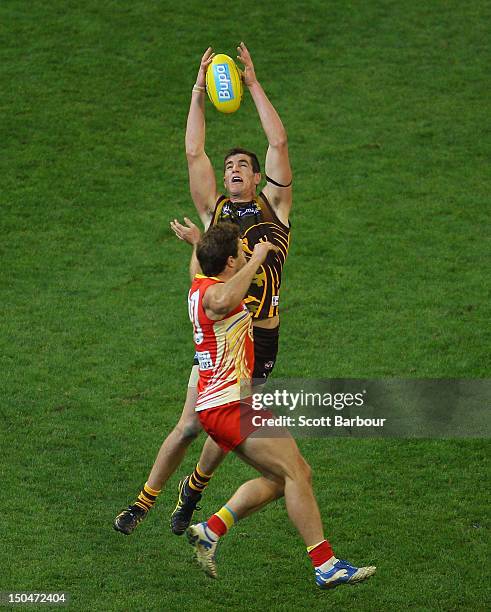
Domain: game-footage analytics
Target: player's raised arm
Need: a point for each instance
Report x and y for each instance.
(277, 167)
(224, 297)
(202, 181)
(188, 233)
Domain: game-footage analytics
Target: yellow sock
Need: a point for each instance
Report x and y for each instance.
(198, 481)
(147, 498)
(228, 516)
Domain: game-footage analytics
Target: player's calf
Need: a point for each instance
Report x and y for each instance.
(191, 487)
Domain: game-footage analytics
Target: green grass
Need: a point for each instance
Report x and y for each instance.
(386, 106)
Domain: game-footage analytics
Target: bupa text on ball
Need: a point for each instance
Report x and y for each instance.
(223, 82)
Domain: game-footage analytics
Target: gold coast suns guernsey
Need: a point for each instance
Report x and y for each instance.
(224, 349)
(258, 222)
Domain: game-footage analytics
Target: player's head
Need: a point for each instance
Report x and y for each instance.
(220, 250)
(241, 173)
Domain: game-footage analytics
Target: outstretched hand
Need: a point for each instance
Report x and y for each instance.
(261, 250)
(244, 56)
(206, 60)
(190, 233)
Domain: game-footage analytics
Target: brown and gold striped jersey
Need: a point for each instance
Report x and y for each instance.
(258, 222)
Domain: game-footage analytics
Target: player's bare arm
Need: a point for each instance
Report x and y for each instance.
(277, 165)
(202, 181)
(191, 234)
(224, 297)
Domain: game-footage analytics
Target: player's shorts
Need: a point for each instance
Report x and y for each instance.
(265, 351)
(230, 425)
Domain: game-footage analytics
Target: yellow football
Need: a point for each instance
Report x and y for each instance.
(223, 84)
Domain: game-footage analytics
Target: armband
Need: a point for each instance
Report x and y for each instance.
(270, 180)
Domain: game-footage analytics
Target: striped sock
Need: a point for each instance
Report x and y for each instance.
(321, 555)
(147, 498)
(221, 521)
(198, 481)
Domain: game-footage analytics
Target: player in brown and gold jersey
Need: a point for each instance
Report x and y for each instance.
(261, 216)
(258, 222)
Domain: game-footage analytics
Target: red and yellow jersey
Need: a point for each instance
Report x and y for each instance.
(258, 222)
(224, 349)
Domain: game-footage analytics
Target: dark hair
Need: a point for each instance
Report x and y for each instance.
(216, 246)
(256, 167)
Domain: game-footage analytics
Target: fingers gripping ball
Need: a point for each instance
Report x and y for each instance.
(224, 84)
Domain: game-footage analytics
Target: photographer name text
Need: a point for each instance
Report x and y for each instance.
(259, 420)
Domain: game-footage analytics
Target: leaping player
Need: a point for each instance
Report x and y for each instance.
(260, 216)
(223, 338)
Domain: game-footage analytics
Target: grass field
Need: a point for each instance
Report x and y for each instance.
(387, 107)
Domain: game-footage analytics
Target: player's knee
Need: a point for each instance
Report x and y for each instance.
(279, 490)
(307, 471)
(303, 469)
(188, 431)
